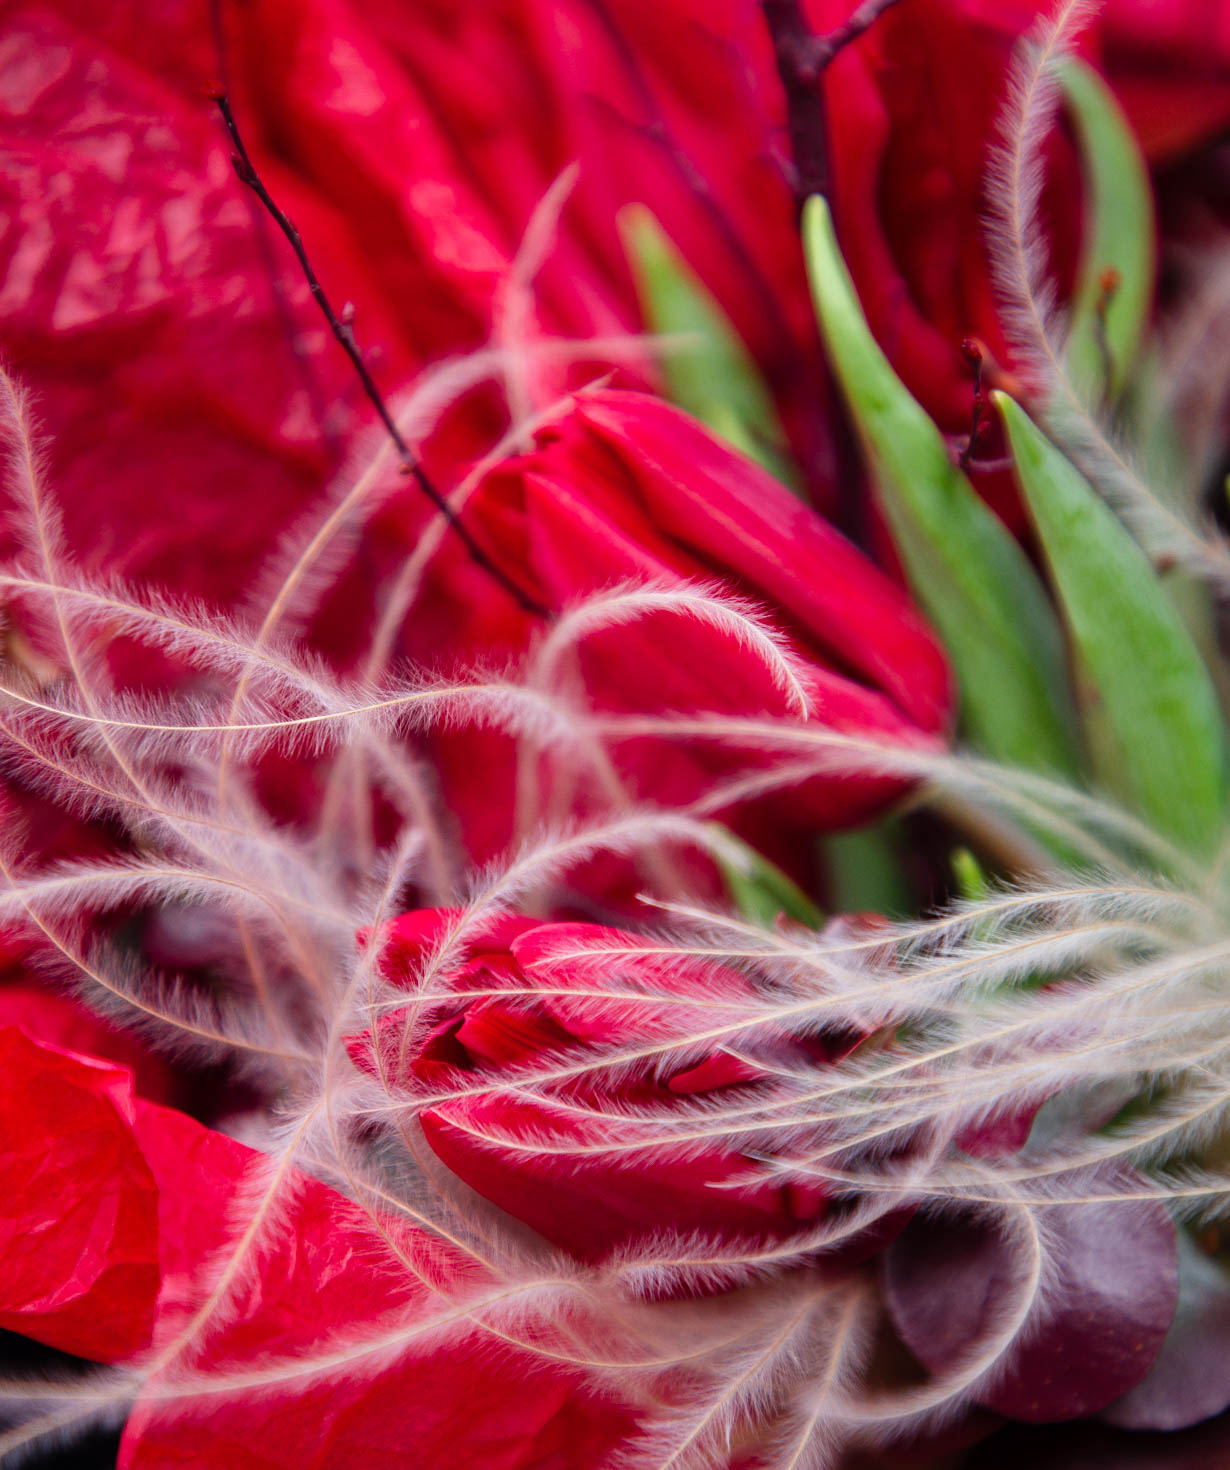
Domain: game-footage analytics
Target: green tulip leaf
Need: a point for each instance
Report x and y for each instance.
(972, 882)
(1150, 705)
(716, 380)
(866, 873)
(966, 570)
(1114, 286)
(759, 889)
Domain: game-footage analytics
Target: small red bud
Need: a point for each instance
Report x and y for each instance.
(971, 350)
(214, 90)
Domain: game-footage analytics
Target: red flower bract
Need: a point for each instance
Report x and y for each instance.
(121, 1217)
(88, 1279)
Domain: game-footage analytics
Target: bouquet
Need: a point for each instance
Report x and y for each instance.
(613, 735)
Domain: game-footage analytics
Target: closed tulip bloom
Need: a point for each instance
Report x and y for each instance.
(626, 489)
(560, 1107)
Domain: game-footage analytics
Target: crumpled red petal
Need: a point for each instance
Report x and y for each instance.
(115, 1212)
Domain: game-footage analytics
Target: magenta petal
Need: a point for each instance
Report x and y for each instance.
(719, 1070)
(999, 1135)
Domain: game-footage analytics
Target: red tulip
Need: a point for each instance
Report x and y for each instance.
(583, 1156)
(915, 110)
(1170, 66)
(626, 490)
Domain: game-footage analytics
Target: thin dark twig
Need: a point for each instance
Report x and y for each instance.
(840, 36)
(1108, 286)
(340, 324)
(971, 350)
(806, 119)
(265, 249)
(802, 57)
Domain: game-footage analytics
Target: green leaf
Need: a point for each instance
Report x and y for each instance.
(972, 883)
(760, 890)
(1120, 237)
(1157, 731)
(968, 572)
(716, 381)
(866, 874)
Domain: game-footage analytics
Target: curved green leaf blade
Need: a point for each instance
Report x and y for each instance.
(716, 381)
(968, 572)
(1106, 325)
(760, 890)
(866, 872)
(1162, 744)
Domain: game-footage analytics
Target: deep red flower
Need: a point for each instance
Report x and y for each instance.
(583, 1158)
(176, 353)
(915, 112)
(627, 490)
(1170, 67)
(175, 346)
(63, 1021)
(178, 357)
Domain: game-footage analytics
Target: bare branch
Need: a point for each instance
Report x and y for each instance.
(341, 325)
(802, 58)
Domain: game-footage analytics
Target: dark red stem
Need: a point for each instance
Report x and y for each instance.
(971, 350)
(840, 36)
(806, 120)
(802, 57)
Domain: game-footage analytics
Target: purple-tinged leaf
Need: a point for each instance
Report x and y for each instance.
(1091, 1335)
(1190, 1381)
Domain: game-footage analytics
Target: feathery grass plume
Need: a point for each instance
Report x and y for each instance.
(964, 1019)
